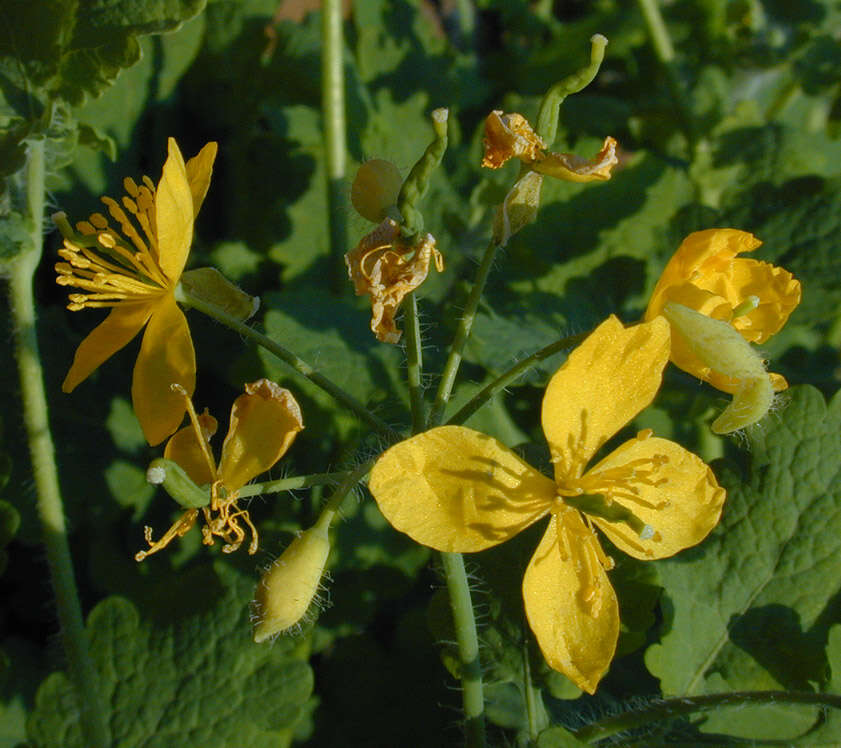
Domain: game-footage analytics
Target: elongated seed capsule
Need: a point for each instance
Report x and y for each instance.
(375, 189)
(416, 183)
(176, 482)
(290, 584)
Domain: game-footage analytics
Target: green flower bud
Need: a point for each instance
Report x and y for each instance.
(208, 284)
(290, 584)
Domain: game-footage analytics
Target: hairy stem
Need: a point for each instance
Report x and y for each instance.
(335, 148)
(670, 708)
(468, 648)
(414, 362)
(92, 712)
(298, 364)
(448, 376)
(292, 484)
(506, 378)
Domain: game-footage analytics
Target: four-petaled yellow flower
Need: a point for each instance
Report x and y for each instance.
(264, 423)
(136, 274)
(455, 489)
(715, 301)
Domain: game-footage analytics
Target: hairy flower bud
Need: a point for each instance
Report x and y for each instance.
(375, 189)
(290, 584)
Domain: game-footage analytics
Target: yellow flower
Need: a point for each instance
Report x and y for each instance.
(136, 274)
(511, 136)
(455, 489)
(383, 266)
(753, 298)
(264, 423)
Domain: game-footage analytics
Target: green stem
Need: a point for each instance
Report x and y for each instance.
(506, 378)
(448, 376)
(285, 355)
(334, 503)
(670, 708)
(468, 648)
(665, 52)
(92, 712)
(414, 362)
(531, 697)
(335, 147)
(291, 484)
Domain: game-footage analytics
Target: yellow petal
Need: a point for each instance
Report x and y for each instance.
(173, 214)
(707, 262)
(264, 423)
(454, 489)
(114, 332)
(166, 357)
(572, 168)
(570, 603)
(672, 491)
(199, 169)
(509, 136)
(700, 255)
(183, 447)
(604, 383)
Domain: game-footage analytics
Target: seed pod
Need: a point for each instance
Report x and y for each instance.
(375, 188)
(290, 584)
(176, 482)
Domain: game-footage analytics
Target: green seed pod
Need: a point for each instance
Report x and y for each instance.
(547, 119)
(418, 180)
(375, 189)
(170, 475)
(290, 584)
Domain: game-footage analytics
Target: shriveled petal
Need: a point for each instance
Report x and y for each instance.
(454, 489)
(199, 169)
(509, 136)
(672, 491)
(383, 266)
(570, 603)
(183, 447)
(706, 262)
(604, 383)
(114, 332)
(173, 214)
(572, 168)
(264, 423)
(166, 357)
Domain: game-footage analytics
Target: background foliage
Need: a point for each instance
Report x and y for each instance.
(741, 130)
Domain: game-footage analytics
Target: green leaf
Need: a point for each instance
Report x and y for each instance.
(749, 608)
(558, 737)
(196, 680)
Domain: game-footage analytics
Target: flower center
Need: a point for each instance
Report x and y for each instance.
(107, 267)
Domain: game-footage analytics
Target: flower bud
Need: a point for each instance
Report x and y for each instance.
(290, 584)
(375, 189)
(720, 346)
(208, 284)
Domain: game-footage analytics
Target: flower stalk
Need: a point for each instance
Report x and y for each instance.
(335, 146)
(42, 453)
(414, 363)
(468, 648)
(300, 366)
